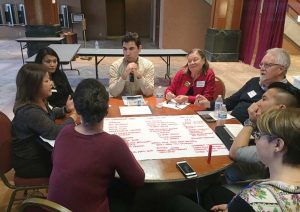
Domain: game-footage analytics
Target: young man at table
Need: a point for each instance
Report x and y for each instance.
(132, 74)
(248, 166)
(273, 68)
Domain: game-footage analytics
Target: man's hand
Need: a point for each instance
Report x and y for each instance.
(131, 68)
(254, 112)
(201, 100)
(222, 207)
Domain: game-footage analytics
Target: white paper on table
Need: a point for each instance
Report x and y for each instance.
(51, 142)
(134, 110)
(133, 100)
(215, 118)
(233, 129)
(174, 105)
(158, 137)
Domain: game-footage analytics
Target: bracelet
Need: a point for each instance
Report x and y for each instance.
(250, 123)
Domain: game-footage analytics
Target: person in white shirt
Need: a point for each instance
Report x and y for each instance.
(132, 74)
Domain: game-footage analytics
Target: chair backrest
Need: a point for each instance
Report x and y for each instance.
(40, 205)
(220, 88)
(5, 144)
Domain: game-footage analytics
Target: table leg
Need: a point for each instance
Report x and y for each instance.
(22, 52)
(96, 65)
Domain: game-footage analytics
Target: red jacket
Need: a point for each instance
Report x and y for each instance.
(204, 85)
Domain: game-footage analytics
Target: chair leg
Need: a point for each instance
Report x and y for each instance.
(11, 201)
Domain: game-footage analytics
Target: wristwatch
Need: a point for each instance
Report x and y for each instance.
(250, 123)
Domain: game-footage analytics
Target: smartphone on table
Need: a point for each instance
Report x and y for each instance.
(186, 169)
(207, 118)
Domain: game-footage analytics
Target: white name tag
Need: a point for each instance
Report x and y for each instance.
(200, 84)
(251, 94)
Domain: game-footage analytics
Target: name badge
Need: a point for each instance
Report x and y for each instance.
(252, 93)
(200, 84)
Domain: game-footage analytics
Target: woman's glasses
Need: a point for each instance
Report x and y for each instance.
(257, 135)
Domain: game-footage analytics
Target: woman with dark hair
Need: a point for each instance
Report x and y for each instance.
(33, 119)
(85, 158)
(61, 90)
(194, 78)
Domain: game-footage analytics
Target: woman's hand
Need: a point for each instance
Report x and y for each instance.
(201, 100)
(70, 104)
(222, 207)
(170, 96)
(181, 99)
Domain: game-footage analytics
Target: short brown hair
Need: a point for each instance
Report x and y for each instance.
(284, 124)
(132, 36)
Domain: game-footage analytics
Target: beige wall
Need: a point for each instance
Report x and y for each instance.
(184, 23)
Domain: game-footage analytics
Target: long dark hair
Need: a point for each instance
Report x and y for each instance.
(205, 66)
(46, 51)
(29, 80)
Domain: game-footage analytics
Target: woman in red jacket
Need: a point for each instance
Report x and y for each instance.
(194, 78)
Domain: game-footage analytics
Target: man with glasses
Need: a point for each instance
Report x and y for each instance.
(279, 95)
(131, 74)
(273, 68)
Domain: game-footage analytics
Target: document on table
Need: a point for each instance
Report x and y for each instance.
(136, 100)
(174, 105)
(233, 129)
(134, 110)
(215, 118)
(157, 137)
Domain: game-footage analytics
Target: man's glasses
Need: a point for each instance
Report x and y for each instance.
(257, 135)
(268, 65)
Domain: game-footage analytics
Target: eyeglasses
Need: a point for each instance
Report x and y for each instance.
(268, 65)
(257, 135)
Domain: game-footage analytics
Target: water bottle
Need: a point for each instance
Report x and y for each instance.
(222, 115)
(159, 96)
(96, 45)
(218, 104)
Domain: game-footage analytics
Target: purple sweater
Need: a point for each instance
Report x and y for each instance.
(85, 165)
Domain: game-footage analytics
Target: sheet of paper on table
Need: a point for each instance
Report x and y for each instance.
(174, 105)
(158, 137)
(134, 110)
(233, 129)
(136, 100)
(215, 118)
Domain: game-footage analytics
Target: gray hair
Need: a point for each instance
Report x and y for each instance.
(283, 58)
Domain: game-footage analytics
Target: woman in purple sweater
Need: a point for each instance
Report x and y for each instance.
(85, 158)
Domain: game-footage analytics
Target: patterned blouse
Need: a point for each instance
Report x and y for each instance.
(273, 196)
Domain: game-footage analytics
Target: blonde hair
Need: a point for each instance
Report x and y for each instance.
(284, 124)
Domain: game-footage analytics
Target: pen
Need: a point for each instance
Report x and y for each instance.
(209, 153)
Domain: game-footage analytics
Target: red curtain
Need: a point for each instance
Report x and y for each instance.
(271, 27)
(249, 23)
(270, 31)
